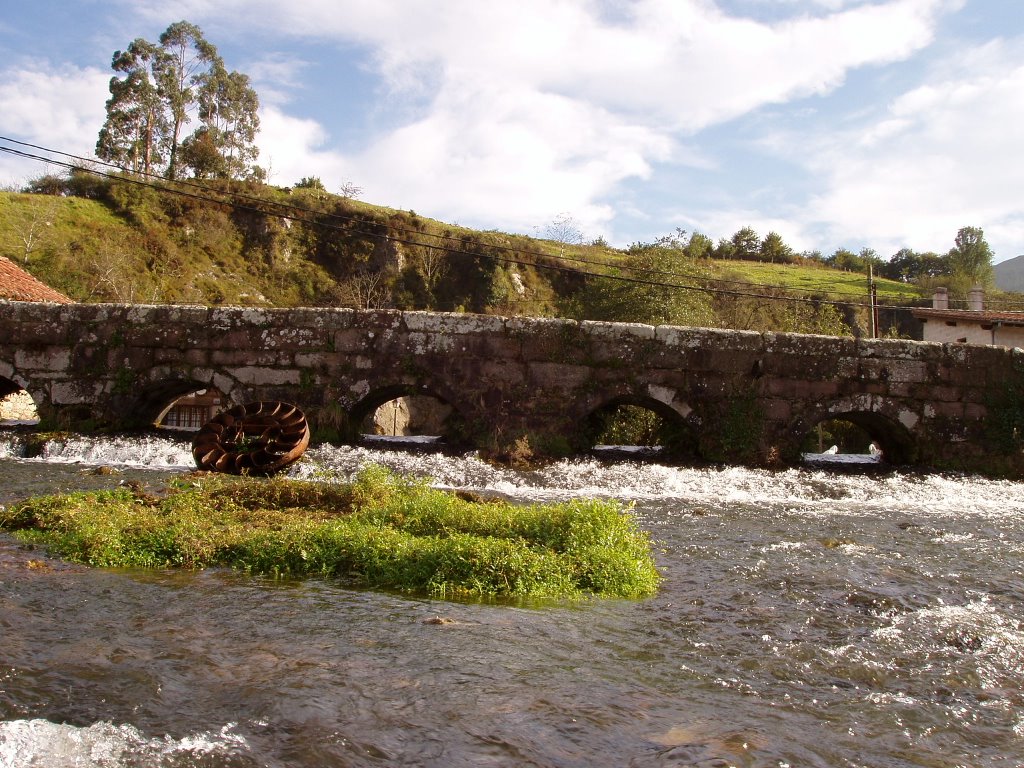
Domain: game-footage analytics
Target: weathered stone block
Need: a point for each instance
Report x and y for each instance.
(820, 390)
(778, 409)
(621, 333)
(903, 370)
(49, 359)
(945, 394)
(292, 338)
(230, 358)
(75, 392)
(810, 346)
(327, 319)
(544, 339)
(40, 334)
(497, 372)
(744, 362)
(317, 360)
(788, 388)
(378, 320)
(260, 376)
(353, 340)
(452, 323)
(974, 411)
(430, 343)
(555, 376)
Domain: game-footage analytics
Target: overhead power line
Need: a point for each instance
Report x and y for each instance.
(290, 209)
(447, 243)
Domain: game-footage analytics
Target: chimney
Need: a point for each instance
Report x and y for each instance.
(940, 299)
(976, 299)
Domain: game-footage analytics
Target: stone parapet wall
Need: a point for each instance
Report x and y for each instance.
(741, 395)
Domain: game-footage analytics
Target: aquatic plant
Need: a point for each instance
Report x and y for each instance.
(379, 530)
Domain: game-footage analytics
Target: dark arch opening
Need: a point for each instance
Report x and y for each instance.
(157, 399)
(858, 438)
(642, 425)
(16, 405)
(8, 387)
(404, 413)
(192, 411)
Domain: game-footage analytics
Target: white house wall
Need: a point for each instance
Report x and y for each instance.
(970, 333)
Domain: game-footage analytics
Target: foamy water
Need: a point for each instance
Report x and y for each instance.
(807, 489)
(807, 618)
(42, 744)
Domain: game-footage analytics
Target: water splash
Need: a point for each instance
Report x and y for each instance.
(800, 491)
(42, 743)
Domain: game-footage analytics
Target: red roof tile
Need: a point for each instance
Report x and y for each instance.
(18, 285)
(970, 315)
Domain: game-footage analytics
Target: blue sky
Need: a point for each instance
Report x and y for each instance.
(837, 123)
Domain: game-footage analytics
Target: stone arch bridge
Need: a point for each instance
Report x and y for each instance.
(728, 396)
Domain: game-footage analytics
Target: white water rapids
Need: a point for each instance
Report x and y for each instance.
(807, 617)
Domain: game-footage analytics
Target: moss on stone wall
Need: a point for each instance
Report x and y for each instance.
(739, 431)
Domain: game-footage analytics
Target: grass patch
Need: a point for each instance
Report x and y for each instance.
(379, 531)
(816, 278)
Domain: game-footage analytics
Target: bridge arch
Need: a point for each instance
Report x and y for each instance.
(673, 431)
(8, 387)
(17, 405)
(879, 421)
(14, 387)
(10, 381)
(158, 388)
(451, 429)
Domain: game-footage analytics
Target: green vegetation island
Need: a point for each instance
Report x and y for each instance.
(377, 531)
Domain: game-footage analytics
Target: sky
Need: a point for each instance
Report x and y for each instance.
(851, 124)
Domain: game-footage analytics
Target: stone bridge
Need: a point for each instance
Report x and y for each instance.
(724, 396)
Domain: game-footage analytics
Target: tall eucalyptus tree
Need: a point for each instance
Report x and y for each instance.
(136, 126)
(162, 87)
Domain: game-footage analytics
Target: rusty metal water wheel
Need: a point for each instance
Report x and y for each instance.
(253, 439)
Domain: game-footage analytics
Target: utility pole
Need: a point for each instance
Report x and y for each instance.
(873, 299)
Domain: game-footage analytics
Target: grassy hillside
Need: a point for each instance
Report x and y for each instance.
(813, 278)
(219, 243)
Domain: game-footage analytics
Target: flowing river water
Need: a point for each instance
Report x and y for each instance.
(807, 618)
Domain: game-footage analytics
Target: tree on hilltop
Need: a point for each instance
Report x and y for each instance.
(136, 125)
(971, 257)
(907, 265)
(746, 244)
(774, 249)
(161, 87)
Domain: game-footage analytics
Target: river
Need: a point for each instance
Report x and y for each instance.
(807, 618)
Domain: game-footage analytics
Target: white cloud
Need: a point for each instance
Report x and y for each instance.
(276, 78)
(516, 158)
(62, 109)
(944, 156)
(536, 107)
(292, 148)
(523, 110)
(683, 62)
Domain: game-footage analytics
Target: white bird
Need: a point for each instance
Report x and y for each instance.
(833, 450)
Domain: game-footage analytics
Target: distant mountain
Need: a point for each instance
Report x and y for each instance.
(1010, 274)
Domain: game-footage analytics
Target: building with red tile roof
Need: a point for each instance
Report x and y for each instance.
(974, 325)
(18, 285)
